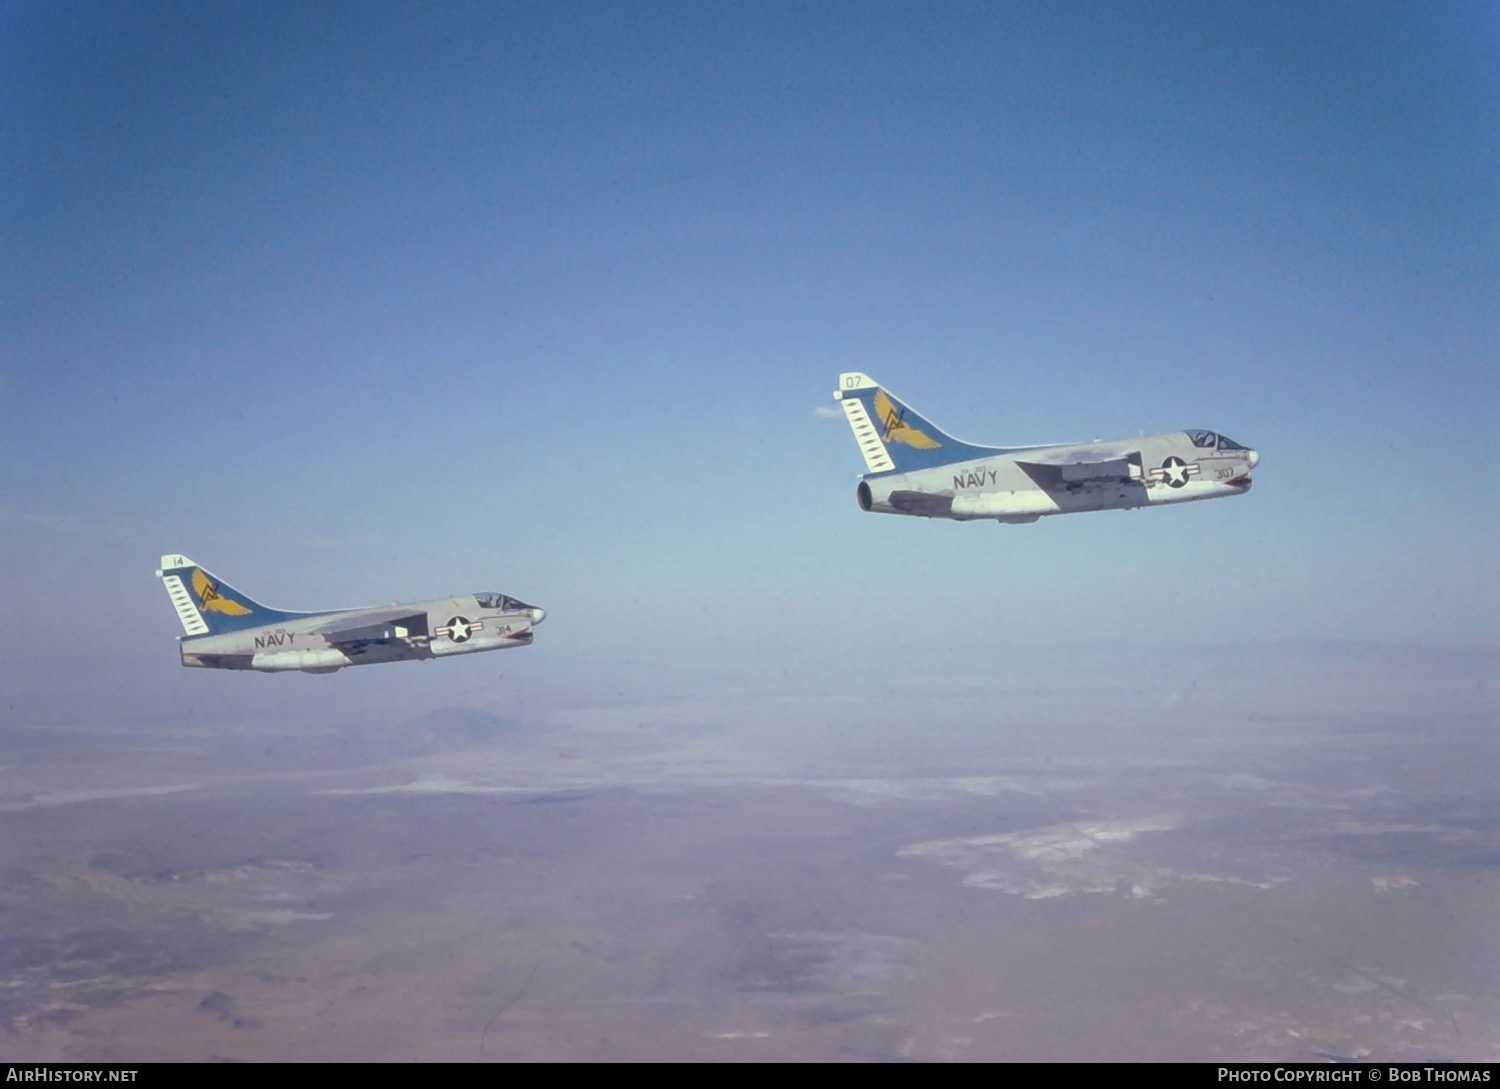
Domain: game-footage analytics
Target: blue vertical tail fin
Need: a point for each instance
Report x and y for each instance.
(893, 437)
(206, 604)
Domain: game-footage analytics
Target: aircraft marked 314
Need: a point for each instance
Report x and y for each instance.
(227, 630)
(917, 469)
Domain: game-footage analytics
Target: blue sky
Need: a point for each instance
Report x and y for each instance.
(358, 302)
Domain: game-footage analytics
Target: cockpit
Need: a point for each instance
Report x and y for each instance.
(1209, 440)
(502, 602)
(506, 604)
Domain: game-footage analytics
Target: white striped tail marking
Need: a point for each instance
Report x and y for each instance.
(867, 436)
(182, 601)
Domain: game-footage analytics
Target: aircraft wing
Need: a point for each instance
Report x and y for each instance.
(379, 626)
(1080, 466)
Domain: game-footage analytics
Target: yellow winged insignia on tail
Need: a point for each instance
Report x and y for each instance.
(209, 598)
(897, 429)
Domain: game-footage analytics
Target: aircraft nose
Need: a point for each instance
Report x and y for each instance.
(1254, 458)
(538, 615)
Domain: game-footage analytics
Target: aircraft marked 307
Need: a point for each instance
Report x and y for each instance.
(914, 468)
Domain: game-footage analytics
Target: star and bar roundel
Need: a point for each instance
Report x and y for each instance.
(460, 628)
(1175, 472)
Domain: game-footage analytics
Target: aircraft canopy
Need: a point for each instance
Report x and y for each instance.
(1208, 440)
(500, 601)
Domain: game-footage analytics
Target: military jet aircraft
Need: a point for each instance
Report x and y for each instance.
(917, 469)
(227, 630)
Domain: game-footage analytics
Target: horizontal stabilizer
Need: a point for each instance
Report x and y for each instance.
(922, 503)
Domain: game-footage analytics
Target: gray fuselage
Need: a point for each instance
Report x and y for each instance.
(323, 642)
(1025, 484)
